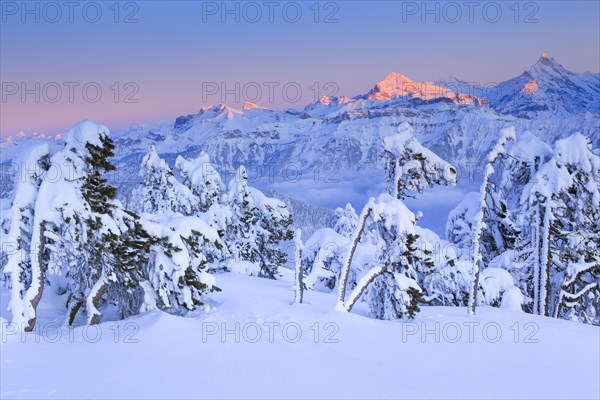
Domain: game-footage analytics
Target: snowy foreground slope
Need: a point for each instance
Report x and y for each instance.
(495, 354)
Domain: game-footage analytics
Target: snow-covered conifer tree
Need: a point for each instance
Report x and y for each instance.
(85, 241)
(160, 192)
(241, 229)
(522, 242)
(566, 193)
(107, 243)
(202, 177)
(176, 276)
(258, 225)
(347, 220)
(496, 153)
(507, 229)
(274, 221)
(411, 167)
(391, 283)
(18, 243)
(447, 281)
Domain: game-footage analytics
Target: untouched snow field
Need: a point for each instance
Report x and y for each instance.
(254, 344)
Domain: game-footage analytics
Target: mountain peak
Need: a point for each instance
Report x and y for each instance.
(392, 86)
(548, 87)
(217, 111)
(395, 77)
(545, 58)
(546, 64)
(248, 105)
(396, 85)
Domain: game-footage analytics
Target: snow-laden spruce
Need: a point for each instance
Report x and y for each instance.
(541, 225)
(237, 229)
(257, 226)
(347, 220)
(411, 167)
(78, 229)
(496, 154)
(202, 177)
(175, 276)
(18, 244)
(566, 192)
(390, 281)
(160, 191)
(447, 281)
(88, 246)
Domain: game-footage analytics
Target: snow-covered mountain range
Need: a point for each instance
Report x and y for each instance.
(336, 141)
(546, 87)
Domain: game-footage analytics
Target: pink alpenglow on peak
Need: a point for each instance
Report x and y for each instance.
(396, 85)
(327, 100)
(324, 100)
(248, 105)
(220, 111)
(23, 136)
(530, 87)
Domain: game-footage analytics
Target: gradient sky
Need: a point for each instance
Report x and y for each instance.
(174, 50)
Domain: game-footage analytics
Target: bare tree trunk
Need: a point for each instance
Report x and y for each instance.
(495, 154)
(73, 310)
(94, 316)
(479, 223)
(348, 260)
(545, 261)
(362, 286)
(536, 261)
(38, 277)
(475, 289)
(299, 270)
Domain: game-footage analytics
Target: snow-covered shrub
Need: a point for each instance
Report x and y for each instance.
(323, 256)
(512, 299)
(493, 282)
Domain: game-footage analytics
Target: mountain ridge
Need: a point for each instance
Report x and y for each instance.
(335, 137)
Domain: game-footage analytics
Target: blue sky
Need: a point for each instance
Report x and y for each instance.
(173, 52)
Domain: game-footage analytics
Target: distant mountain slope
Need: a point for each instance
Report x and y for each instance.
(545, 89)
(548, 86)
(329, 139)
